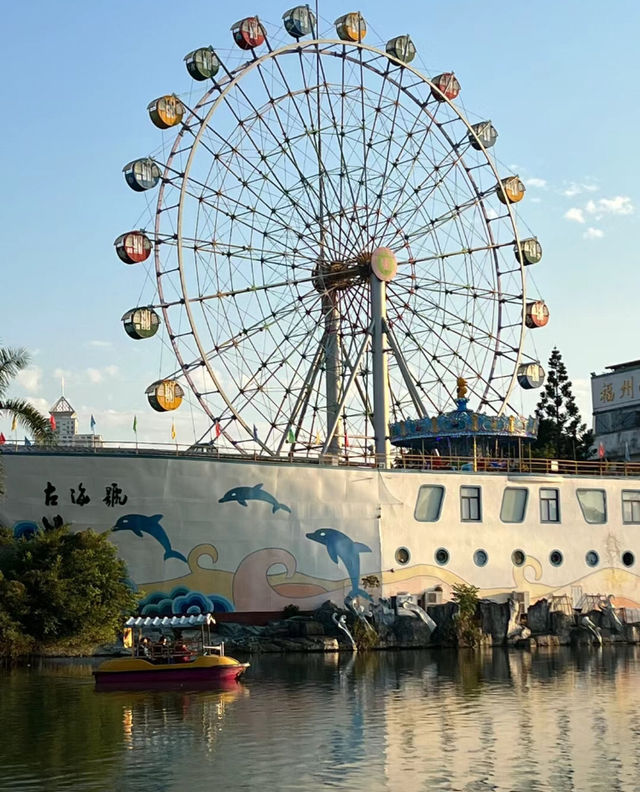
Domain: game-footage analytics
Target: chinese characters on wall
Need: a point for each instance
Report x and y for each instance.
(78, 496)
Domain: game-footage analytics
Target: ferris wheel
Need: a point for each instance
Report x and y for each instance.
(334, 246)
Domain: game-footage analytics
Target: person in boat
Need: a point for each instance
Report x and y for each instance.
(181, 652)
(144, 647)
(161, 648)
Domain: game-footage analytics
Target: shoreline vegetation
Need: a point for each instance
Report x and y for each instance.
(60, 591)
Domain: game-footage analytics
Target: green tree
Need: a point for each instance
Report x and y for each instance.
(61, 586)
(12, 361)
(561, 431)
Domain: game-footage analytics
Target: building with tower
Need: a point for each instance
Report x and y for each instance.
(66, 427)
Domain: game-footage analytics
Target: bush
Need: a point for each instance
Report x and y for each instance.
(62, 586)
(467, 628)
(364, 635)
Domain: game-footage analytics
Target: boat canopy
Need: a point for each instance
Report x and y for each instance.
(170, 621)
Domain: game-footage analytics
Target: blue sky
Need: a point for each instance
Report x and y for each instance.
(558, 79)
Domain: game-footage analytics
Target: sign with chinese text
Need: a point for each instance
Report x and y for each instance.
(616, 390)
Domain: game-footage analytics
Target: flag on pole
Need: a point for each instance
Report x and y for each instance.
(218, 429)
(601, 450)
(627, 454)
(14, 424)
(318, 438)
(3, 439)
(27, 442)
(135, 424)
(52, 421)
(346, 439)
(255, 433)
(291, 438)
(173, 430)
(93, 423)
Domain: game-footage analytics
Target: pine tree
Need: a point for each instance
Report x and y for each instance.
(561, 432)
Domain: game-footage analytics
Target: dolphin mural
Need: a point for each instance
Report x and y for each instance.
(141, 524)
(339, 546)
(243, 494)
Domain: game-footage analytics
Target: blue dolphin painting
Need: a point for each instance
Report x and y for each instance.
(243, 494)
(141, 524)
(340, 547)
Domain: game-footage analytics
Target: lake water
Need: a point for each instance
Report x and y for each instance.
(429, 720)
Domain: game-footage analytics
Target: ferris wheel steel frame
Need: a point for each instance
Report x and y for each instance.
(379, 333)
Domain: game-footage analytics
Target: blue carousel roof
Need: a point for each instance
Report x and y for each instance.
(463, 422)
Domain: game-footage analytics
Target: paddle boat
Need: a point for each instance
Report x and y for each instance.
(188, 656)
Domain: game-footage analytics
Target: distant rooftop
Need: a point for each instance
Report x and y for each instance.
(62, 407)
(621, 366)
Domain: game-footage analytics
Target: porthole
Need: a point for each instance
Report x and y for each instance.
(628, 559)
(555, 557)
(518, 557)
(442, 556)
(402, 555)
(480, 558)
(592, 558)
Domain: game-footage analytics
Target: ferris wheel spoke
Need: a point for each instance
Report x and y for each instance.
(408, 135)
(299, 409)
(451, 326)
(413, 204)
(438, 308)
(315, 128)
(453, 253)
(275, 182)
(281, 145)
(255, 385)
(232, 214)
(467, 291)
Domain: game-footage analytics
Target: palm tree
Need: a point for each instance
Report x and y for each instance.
(19, 410)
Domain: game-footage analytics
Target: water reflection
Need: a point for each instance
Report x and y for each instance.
(551, 720)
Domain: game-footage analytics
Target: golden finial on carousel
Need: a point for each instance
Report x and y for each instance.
(462, 387)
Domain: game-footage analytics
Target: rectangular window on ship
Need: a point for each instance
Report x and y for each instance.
(549, 505)
(631, 506)
(470, 504)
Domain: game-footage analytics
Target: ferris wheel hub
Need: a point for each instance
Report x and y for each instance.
(337, 275)
(384, 264)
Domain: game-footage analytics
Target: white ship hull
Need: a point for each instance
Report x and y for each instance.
(190, 528)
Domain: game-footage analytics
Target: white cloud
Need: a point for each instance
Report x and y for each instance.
(593, 233)
(30, 378)
(95, 375)
(620, 205)
(42, 405)
(97, 343)
(533, 181)
(576, 189)
(575, 214)
(98, 375)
